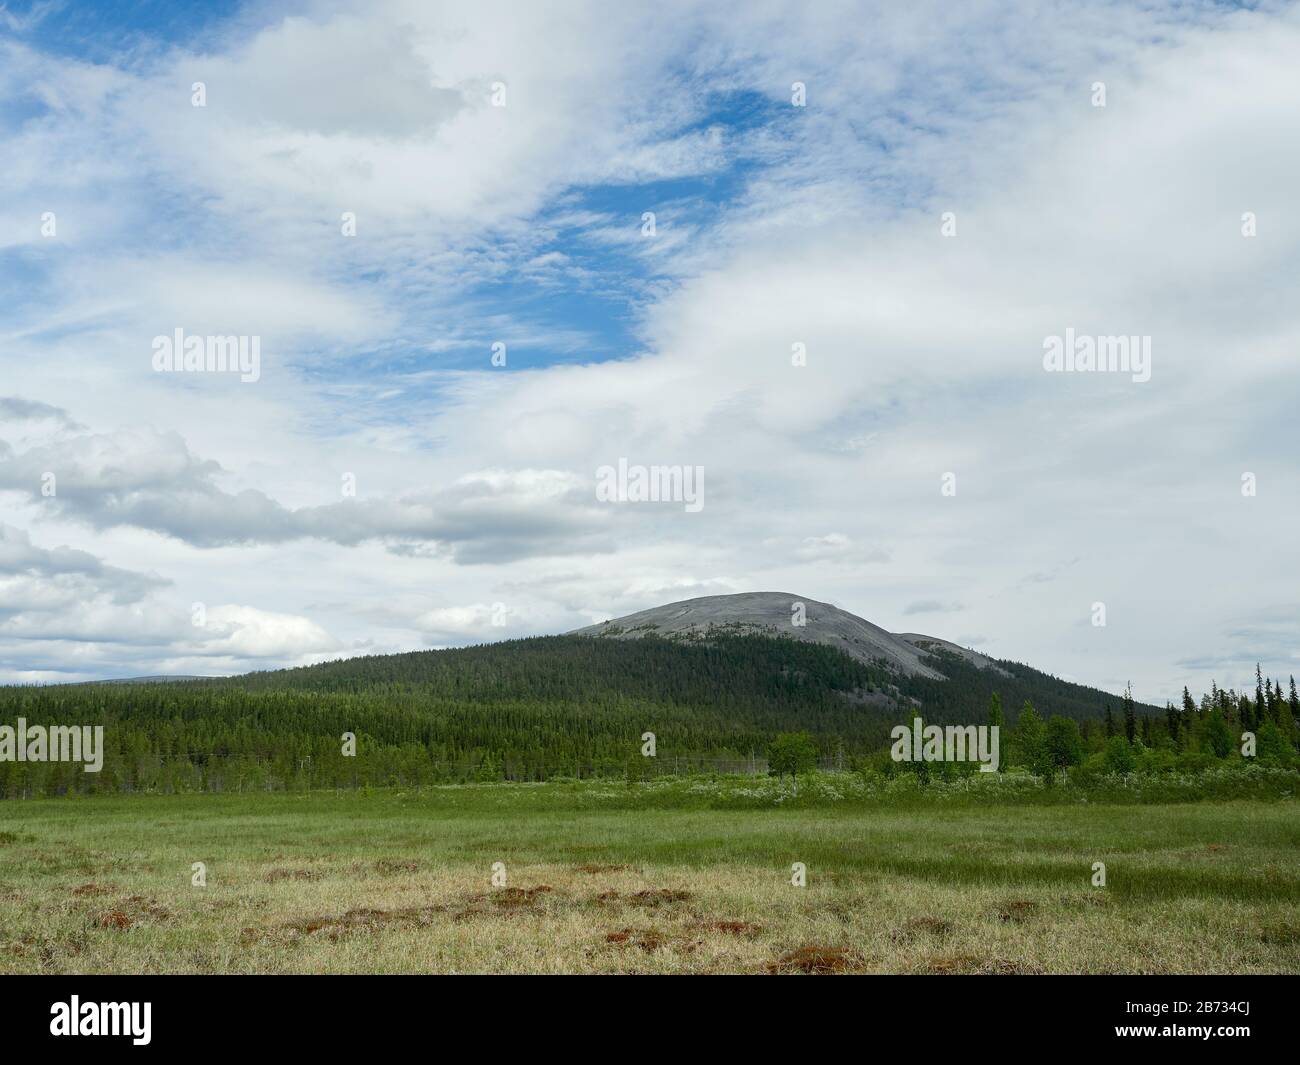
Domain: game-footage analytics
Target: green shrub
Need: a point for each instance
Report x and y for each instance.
(1119, 756)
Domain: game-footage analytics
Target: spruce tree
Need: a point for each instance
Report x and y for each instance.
(1218, 736)
(995, 721)
(995, 708)
(1130, 714)
(1286, 723)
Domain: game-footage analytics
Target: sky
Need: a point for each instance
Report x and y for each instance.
(869, 222)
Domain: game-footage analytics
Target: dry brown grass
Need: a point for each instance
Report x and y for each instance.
(740, 919)
(373, 901)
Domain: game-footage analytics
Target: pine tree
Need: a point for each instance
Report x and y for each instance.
(995, 721)
(1286, 724)
(1171, 721)
(1130, 714)
(1217, 735)
(995, 708)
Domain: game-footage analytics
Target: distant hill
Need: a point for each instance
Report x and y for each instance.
(770, 614)
(159, 679)
(713, 679)
(942, 677)
(784, 614)
(724, 652)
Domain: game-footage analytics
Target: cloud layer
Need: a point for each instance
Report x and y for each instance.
(862, 382)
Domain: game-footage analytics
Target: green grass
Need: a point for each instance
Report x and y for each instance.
(645, 879)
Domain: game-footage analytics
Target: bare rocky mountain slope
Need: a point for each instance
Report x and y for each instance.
(774, 613)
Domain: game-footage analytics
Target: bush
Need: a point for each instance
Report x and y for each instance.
(1196, 762)
(1119, 756)
(791, 752)
(1063, 746)
(1157, 760)
(1271, 749)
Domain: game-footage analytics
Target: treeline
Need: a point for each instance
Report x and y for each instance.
(1222, 726)
(967, 692)
(537, 709)
(522, 710)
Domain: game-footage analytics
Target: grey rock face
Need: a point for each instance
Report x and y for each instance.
(772, 613)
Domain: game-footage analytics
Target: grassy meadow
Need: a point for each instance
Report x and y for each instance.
(694, 877)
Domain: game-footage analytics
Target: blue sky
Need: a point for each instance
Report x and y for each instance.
(591, 315)
(777, 226)
(108, 31)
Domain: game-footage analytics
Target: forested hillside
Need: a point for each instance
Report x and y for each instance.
(521, 710)
(724, 670)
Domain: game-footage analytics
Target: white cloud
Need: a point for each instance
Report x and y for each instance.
(923, 351)
(244, 632)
